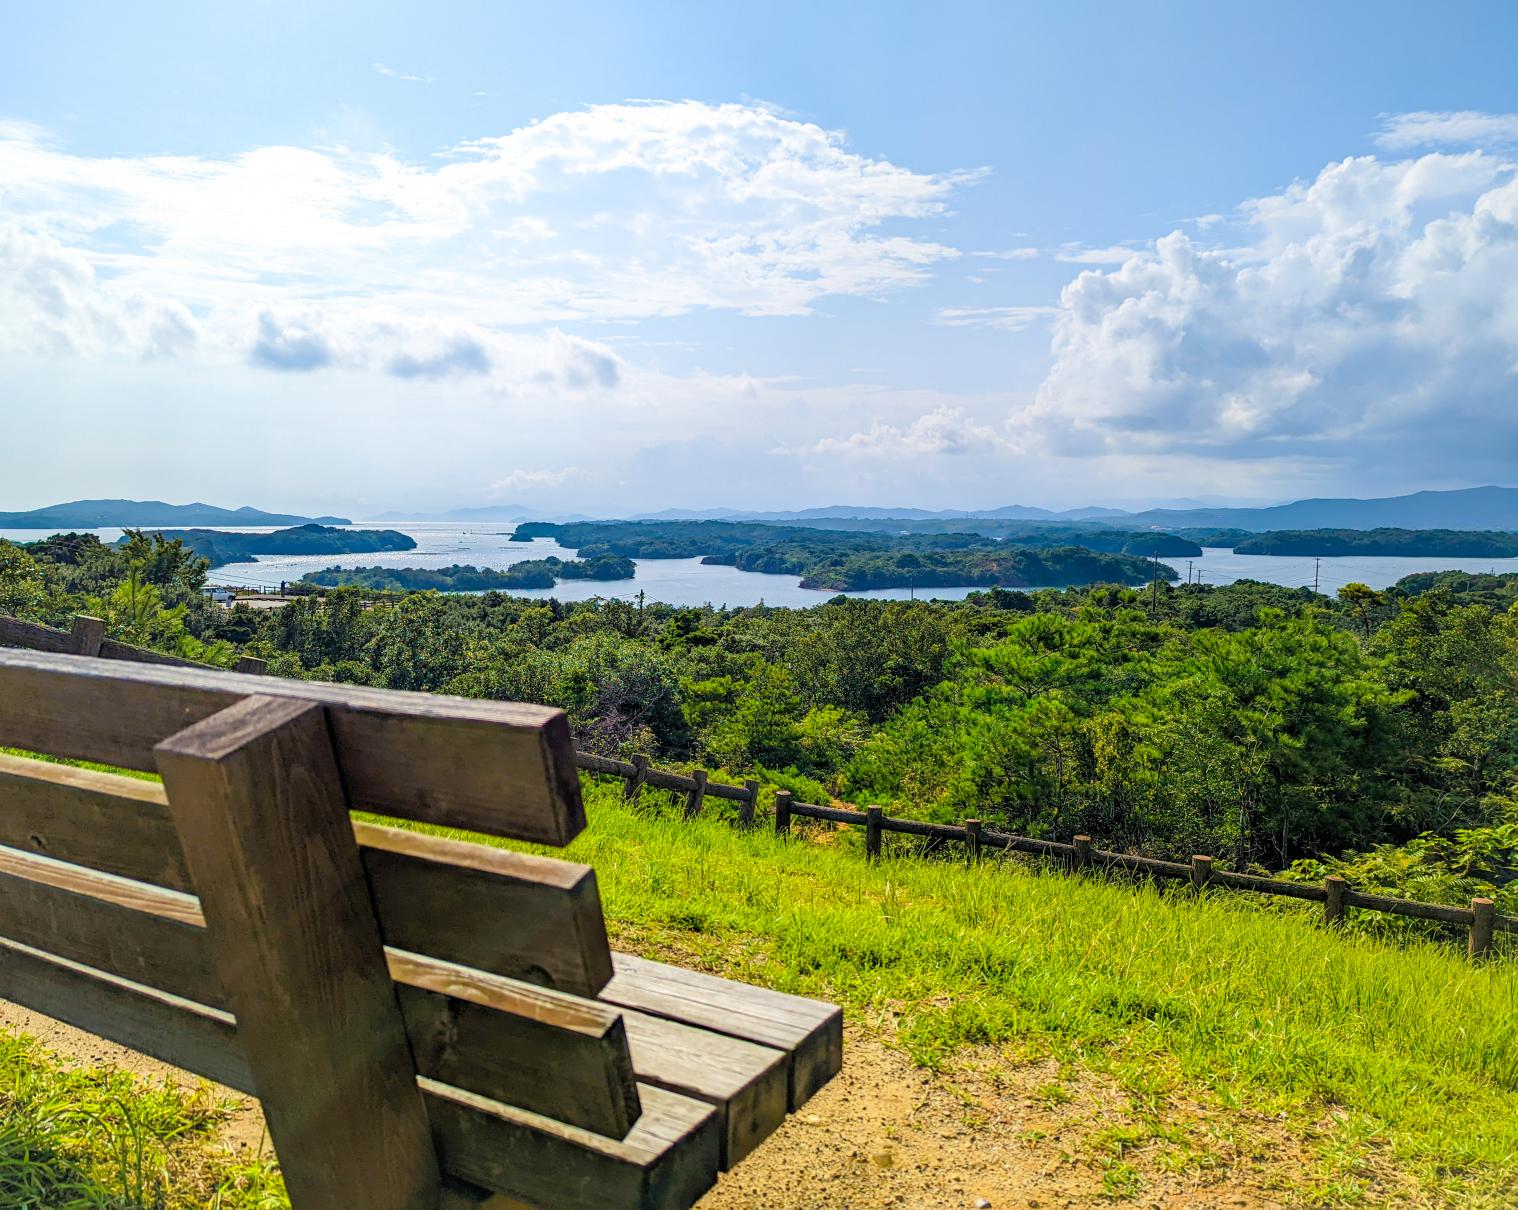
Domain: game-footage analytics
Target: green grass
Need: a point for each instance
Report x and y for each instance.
(80, 1138)
(1386, 1055)
(1387, 1067)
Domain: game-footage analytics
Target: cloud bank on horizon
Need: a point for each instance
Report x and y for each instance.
(1364, 317)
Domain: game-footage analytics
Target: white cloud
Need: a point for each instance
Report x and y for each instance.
(401, 75)
(53, 304)
(1010, 254)
(945, 431)
(535, 480)
(1080, 254)
(1465, 128)
(616, 212)
(1369, 314)
(410, 347)
(1007, 319)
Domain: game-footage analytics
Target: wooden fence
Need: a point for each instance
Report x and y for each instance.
(88, 638)
(1481, 919)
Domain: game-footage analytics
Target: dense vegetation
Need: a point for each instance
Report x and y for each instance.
(1093, 535)
(1452, 543)
(1375, 732)
(838, 560)
(531, 573)
(219, 547)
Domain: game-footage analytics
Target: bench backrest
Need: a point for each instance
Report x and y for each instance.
(407, 1007)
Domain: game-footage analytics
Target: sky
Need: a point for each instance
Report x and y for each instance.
(614, 258)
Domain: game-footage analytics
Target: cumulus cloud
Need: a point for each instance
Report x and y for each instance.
(53, 303)
(615, 212)
(1465, 128)
(945, 431)
(1368, 312)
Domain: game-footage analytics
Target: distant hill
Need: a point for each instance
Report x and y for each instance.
(154, 514)
(1468, 508)
(1472, 508)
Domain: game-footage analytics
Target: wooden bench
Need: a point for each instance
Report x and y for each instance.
(426, 1021)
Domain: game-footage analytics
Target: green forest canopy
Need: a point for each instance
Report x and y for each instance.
(1375, 732)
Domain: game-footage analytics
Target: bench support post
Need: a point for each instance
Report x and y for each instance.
(258, 803)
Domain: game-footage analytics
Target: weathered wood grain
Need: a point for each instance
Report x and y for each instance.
(129, 929)
(561, 1055)
(170, 1028)
(669, 1159)
(545, 1051)
(257, 798)
(514, 914)
(746, 1083)
(489, 767)
(809, 1031)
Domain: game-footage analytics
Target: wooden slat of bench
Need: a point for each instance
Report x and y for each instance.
(494, 767)
(548, 1051)
(665, 1163)
(669, 1160)
(514, 914)
(744, 1082)
(809, 1031)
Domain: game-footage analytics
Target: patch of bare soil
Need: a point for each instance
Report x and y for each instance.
(994, 1133)
(886, 1133)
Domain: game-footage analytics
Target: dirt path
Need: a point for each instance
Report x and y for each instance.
(885, 1133)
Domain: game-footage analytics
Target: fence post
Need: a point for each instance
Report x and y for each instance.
(697, 795)
(1082, 852)
(1334, 887)
(782, 812)
(872, 832)
(1482, 910)
(750, 801)
(88, 633)
(972, 840)
(258, 802)
(635, 782)
(1201, 871)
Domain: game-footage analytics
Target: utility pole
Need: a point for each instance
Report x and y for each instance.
(1154, 587)
(1188, 571)
(1317, 565)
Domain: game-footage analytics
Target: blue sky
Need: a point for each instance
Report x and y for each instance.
(619, 257)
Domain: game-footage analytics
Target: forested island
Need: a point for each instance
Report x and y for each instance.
(219, 547)
(835, 560)
(532, 573)
(1417, 543)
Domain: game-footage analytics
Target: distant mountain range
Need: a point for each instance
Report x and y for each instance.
(155, 514)
(1465, 508)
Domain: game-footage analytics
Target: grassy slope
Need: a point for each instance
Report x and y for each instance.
(1408, 1055)
(1385, 1057)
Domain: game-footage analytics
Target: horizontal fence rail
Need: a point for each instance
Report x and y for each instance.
(88, 638)
(1480, 919)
